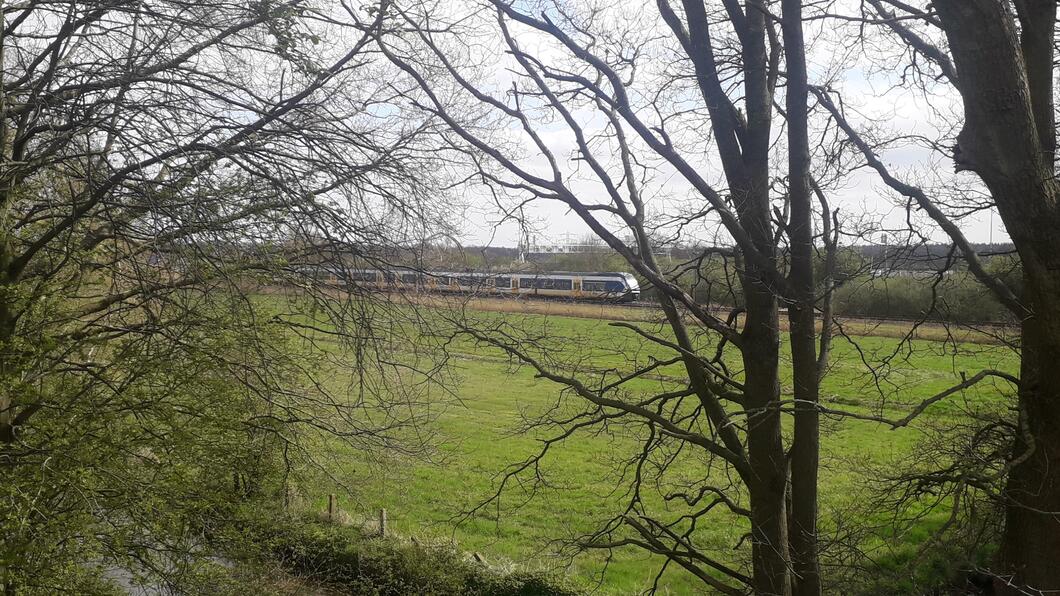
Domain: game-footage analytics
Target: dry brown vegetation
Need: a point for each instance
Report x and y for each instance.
(931, 331)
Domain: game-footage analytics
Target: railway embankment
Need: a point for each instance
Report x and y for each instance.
(647, 312)
(991, 333)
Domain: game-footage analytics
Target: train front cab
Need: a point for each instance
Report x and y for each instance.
(612, 287)
(632, 288)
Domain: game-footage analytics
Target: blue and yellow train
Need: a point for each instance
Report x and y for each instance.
(608, 285)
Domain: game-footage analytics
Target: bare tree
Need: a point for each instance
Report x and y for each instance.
(589, 71)
(158, 162)
(999, 57)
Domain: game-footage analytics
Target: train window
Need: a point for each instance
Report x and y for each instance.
(408, 278)
(389, 277)
(546, 283)
(468, 282)
(502, 282)
(361, 276)
(603, 286)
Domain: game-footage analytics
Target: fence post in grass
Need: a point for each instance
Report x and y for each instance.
(331, 507)
(382, 523)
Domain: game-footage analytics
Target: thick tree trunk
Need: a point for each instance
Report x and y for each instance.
(764, 443)
(7, 332)
(761, 359)
(805, 450)
(1029, 557)
(7, 405)
(750, 183)
(7, 412)
(1005, 79)
(806, 443)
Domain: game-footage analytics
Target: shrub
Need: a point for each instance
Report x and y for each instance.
(347, 560)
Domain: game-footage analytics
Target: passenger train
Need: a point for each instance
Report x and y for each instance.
(611, 286)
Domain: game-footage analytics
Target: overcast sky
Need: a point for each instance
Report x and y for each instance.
(869, 81)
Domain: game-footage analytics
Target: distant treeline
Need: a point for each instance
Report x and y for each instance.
(918, 257)
(955, 298)
(921, 282)
(867, 285)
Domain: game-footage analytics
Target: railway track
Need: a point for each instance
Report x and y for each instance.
(724, 311)
(991, 332)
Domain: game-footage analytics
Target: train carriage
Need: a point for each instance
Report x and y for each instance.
(608, 285)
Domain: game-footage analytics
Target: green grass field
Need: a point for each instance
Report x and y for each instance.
(491, 398)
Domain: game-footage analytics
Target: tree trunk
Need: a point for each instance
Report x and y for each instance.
(750, 183)
(1005, 79)
(7, 406)
(769, 525)
(7, 356)
(1029, 557)
(761, 359)
(806, 443)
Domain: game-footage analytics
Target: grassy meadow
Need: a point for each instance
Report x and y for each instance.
(488, 399)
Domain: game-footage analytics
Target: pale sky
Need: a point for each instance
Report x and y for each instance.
(868, 86)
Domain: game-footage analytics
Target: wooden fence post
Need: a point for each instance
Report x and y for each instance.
(331, 507)
(382, 523)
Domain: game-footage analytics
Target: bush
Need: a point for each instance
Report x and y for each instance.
(958, 298)
(347, 560)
